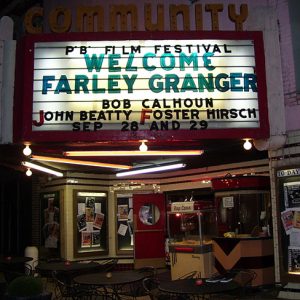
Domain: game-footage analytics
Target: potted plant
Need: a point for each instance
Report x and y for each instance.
(26, 288)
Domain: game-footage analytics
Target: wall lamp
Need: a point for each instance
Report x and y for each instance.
(134, 153)
(143, 147)
(27, 150)
(42, 169)
(79, 162)
(247, 144)
(28, 172)
(151, 170)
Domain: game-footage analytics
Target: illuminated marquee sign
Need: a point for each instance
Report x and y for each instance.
(161, 87)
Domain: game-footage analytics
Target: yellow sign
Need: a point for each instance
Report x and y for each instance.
(134, 17)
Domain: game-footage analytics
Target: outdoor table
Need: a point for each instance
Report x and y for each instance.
(13, 266)
(70, 268)
(114, 283)
(14, 260)
(189, 287)
(13, 263)
(66, 266)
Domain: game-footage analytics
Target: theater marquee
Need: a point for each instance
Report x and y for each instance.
(165, 86)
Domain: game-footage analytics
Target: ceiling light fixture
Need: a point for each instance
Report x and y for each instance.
(27, 151)
(247, 144)
(79, 162)
(151, 170)
(28, 172)
(42, 169)
(143, 147)
(134, 153)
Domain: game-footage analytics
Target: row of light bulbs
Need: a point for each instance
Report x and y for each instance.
(247, 145)
(143, 148)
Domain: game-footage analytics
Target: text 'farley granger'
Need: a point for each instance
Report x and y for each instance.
(145, 86)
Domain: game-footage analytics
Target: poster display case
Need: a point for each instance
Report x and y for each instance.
(124, 224)
(288, 182)
(90, 223)
(190, 232)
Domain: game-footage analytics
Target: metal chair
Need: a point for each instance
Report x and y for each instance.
(243, 278)
(150, 286)
(67, 290)
(189, 275)
(107, 265)
(132, 291)
(28, 269)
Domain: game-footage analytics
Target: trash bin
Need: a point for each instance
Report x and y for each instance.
(31, 251)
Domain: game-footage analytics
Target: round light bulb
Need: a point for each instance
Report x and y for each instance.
(27, 151)
(247, 145)
(143, 147)
(28, 172)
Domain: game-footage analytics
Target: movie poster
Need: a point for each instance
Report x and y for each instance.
(287, 218)
(291, 194)
(91, 210)
(294, 259)
(50, 220)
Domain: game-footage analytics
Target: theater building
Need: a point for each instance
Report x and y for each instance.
(84, 85)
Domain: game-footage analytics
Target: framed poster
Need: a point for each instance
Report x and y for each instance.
(292, 194)
(90, 226)
(50, 221)
(294, 259)
(288, 181)
(124, 226)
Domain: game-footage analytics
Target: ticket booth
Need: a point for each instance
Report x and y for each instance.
(244, 223)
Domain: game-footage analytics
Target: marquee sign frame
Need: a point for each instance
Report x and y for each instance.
(190, 74)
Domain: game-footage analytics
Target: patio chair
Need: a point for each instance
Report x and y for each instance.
(150, 286)
(132, 291)
(149, 271)
(243, 278)
(188, 275)
(68, 290)
(107, 265)
(28, 269)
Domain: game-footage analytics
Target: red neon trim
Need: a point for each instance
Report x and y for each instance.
(184, 249)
